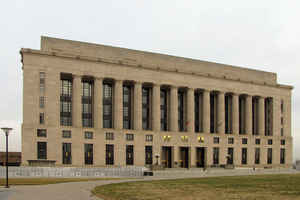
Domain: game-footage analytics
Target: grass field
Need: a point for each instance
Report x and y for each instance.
(46, 181)
(273, 187)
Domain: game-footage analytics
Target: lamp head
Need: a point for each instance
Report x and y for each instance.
(6, 130)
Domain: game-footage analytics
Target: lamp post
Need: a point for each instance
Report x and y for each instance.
(6, 131)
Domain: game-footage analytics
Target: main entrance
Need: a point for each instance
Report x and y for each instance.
(184, 157)
(200, 157)
(166, 157)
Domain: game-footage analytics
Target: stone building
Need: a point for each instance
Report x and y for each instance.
(95, 105)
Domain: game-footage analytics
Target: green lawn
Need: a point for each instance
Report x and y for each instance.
(256, 187)
(45, 181)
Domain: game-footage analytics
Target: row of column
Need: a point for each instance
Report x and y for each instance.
(173, 126)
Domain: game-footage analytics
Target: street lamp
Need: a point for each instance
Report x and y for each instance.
(6, 131)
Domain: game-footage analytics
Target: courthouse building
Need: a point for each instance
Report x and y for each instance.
(95, 105)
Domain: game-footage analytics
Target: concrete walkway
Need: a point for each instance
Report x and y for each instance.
(82, 190)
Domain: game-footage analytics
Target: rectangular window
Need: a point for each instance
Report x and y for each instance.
(244, 156)
(148, 155)
(129, 155)
(230, 156)
(257, 141)
(88, 135)
(42, 133)
(66, 100)
(164, 109)
(88, 154)
(181, 110)
(230, 140)
(216, 155)
(270, 142)
(66, 134)
(242, 114)
(127, 107)
(107, 105)
(228, 113)
(213, 112)
(42, 82)
(282, 106)
(67, 153)
(42, 118)
(282, 156)
(281, 120)
(269, 156)
(146, 105)
(42, 102)
(149, 138)
(216, 140)
(109, 154)
(255, 115)
(87, 102)
(129, 137)
(257, 156)
(244, 140)
(269, 116)
(109, 136)
(281, 132)
(282, 142)
(42, 150)
(198, 111)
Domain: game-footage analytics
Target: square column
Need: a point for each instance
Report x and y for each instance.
(221, 112)
(190, 110)
(118, 104)
(235, 114)
(156, 107)
(174, 109)
(98, 92)
(137, 106)
(77, 108)
(261, 114)
(249, 115)
(206, 111)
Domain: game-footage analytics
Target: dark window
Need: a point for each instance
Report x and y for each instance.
(129, 137)
(42, 118)
(42, 102)
(42, 82)
(213, 112)
(88, 135)
(269, 116)
(181, 110)
(269, 156)
(87, 103)
(282, 106)
(129, 155)
(230, 156)
(146, 108)
(88, 154)
(257, 155)
(281, 132)
(216, 140)
(67, 153)
(127, 111)
(228, 114)
(244, 140)
(198, 111)
(230, 140)
(242, 115)
(107, 105)
(257, 141)
(42, 150)
(66, 134)
(282, 156)
(281, 120)
(109, 136)
(164, 109)
(149, 138)
(282, 142)
(109, 155)
(270, 142)
(216, 155)
(255, 115)
(42, 133)
(66, 101)
(244, 156)
(148, 155)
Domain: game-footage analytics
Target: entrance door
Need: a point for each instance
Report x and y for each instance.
(129, 155)
(166, 159)
(200, 157)
(109, 157)
(184, 157)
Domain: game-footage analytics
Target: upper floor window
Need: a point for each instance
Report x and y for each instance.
(107, 105)
(42, 102)
(230, 140)
(149, 138)
(42, 82)
(146, 121)
(66, 100)
(42, 118)
(164, 109)
(181, 110)
(244, 140)
(88, 135)
(109, 136)
(66, 134)
(129, 137)
(41, 132)
(127, 107)
(216, 140)
(87, 102)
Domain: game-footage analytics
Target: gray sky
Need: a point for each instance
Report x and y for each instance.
(255, 34)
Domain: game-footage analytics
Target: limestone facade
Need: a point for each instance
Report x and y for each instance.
(180, 112)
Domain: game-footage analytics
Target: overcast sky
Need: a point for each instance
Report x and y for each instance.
(255, 34)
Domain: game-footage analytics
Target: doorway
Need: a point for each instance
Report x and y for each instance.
(166, 158)
(200, 157)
